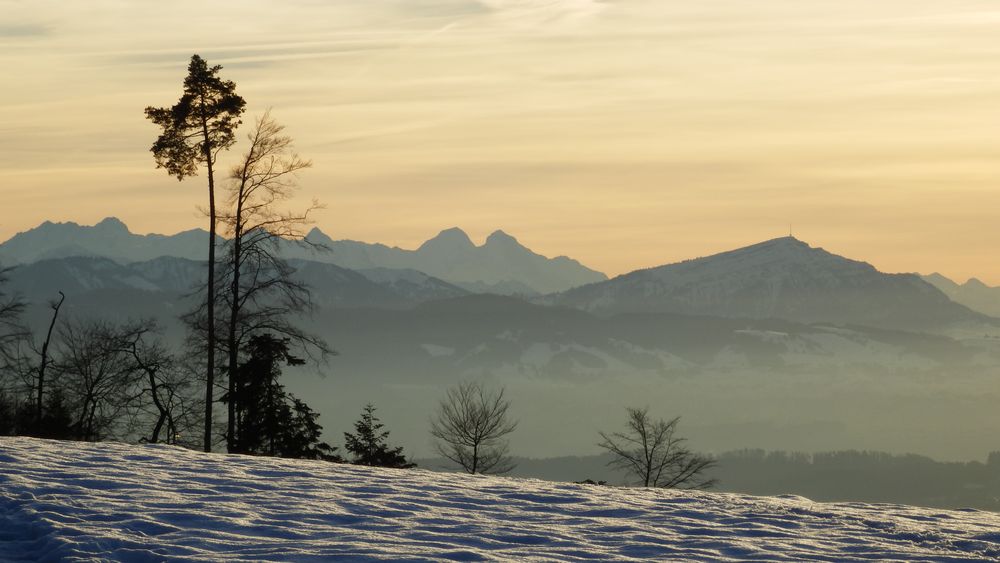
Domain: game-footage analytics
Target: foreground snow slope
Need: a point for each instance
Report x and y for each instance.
(76, 501)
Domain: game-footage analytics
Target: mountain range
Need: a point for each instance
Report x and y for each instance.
(84, 278)
(109, 238)
(500, 265)
(783, 278)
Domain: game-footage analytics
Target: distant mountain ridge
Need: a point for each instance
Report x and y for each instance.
(781, 278)
(500, 265)
(170, 279)
(974, 294)
(109, 238)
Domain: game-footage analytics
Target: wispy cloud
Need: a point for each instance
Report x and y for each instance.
(543, 12)
(19, 31)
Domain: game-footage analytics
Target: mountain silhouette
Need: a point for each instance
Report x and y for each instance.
(109, 238)
(782, 278)
(974, 294)
(500, 265)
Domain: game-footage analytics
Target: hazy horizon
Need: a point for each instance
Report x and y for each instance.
(623, 134)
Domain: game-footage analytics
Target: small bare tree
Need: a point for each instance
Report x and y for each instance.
(22, 356)
(471, 426)
(97, 377)
(45, 360)
(652, 452)
(12, 334)
(11, 329)
(168, 383)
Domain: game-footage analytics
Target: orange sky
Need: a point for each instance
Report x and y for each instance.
(623, 133)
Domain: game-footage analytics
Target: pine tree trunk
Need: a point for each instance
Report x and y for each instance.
(210, 368)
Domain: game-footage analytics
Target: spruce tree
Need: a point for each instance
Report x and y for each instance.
(269, 420)
(369, 445)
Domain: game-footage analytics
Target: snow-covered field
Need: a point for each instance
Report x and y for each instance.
(65, 501)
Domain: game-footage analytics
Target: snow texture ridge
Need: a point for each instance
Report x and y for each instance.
(67, 501)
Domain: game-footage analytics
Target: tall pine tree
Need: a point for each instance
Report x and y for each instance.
(195, 129)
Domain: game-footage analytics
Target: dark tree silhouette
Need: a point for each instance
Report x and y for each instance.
(43, 364)
(97, 377)
(11, 329)
(8, 413)
(166, 384)
(471, 428)
(56, 423)
(27, 411)
(270, 421)
(11, 332)
(369, 444)
(258, 290)
(195, 129)
(30, 363)
(652, 452)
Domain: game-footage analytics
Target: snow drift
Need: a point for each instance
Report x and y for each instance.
(77, 501)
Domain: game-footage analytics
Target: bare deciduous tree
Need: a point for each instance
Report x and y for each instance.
(97, 377)
(168, 383)
(258, 288)
(11, 329)
(652, 452)
(471, 428)
(43, 364)
(30, 362)
(12, 333)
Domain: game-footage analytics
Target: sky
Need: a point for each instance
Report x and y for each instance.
(623, 133)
